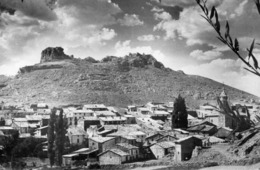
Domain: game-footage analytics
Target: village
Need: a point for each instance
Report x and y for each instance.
(111, 136)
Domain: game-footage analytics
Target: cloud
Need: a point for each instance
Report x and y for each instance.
(130, 20)
(206, 55)
(99, 12)
(124, 48)
(189, 26)
(162, 15)
(229, 71)
(38, 9)
(78, 24)
(195, 30)
(148, 37)
(182, 3)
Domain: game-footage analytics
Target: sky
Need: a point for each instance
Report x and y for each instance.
(173, 31)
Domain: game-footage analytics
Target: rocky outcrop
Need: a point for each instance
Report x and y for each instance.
(53, 54)
(142, 60)
(91, 60)
(134, 60)
(117, 81)
(28, 69)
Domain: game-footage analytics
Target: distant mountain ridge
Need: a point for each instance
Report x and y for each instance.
(118, 81)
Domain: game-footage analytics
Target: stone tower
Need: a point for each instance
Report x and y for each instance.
(223, 96)
(224, 120)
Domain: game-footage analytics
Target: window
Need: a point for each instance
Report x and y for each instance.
(78, 140)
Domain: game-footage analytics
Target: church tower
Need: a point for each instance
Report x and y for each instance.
(223, 96)
(224, 120)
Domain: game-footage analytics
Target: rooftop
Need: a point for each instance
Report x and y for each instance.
(182, 131)
(22, 124)
(89, 106)
(166, 144)
(156, 134)
(116, 118)
(76, 131)
(6, 128)
(90, 118)
(143, 109)
(136, 133)
(127, 146)
(19, 119)
(70, 155)
(214, 139)
(104, 113)
(183, 139)
(81, 150)
(83, 111)
(33, 117)
(101, 139)
(123, 135)
(207, 128)
(43, 127)
(128, 115)
(116, 151)
(42, 105)
(161, 112)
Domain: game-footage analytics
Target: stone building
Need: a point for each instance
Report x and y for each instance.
(224, 120)
(113, 157)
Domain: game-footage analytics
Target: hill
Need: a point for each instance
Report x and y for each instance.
(118, 81)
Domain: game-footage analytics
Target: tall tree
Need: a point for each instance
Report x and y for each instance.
(9, 143)
(179, 115)
(60, 129)
(51, 136)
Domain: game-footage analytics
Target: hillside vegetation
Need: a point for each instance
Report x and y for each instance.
(133, 79)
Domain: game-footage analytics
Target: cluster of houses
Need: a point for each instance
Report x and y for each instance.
(115, 136)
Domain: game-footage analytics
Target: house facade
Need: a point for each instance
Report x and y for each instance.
(184, 147)
(162, 149)
(113, 157)
(101, 143)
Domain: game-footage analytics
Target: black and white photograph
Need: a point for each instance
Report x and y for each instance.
(129, 84)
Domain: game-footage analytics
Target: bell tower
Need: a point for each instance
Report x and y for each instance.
(223, 96)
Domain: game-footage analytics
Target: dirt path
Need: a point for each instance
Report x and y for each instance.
(222, 149)
(251, 167)
(150, 168)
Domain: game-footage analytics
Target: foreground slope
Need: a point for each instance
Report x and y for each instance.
(134, 79)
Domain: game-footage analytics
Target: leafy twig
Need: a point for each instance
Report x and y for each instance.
(227, 39)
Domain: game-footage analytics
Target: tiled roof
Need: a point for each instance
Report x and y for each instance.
(19, 119)
(127, 146)
(101, 139)
(166, 144)
(135, 133)
(166, 136)
(156, 134)
(196, 128)
(115, 118)
(118, 152)
(207, 128)
(161, 112)
(183, 139)
(214, 139)
(90, 118)
(22, 124)
(76, 131)
(94, 106)
(104, 113)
